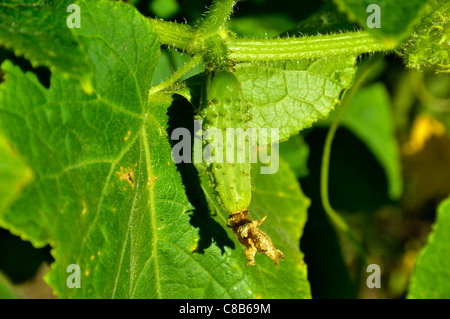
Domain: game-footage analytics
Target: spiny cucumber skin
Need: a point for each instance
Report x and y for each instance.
(223, 106)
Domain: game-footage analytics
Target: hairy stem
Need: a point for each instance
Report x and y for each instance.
(349, 43)
(215, 18)
(188, 39)
(176, 35)
(192, 63)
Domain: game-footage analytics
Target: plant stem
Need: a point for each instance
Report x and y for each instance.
(185, 38)
(349, 43)
(215, 18)
(188, 39)
(192, 63)
(177, 35)
(332, 214)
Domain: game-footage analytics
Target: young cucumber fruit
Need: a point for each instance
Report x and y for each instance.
(225, 116)
(223, 106)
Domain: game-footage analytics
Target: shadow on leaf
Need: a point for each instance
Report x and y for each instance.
(181, 114)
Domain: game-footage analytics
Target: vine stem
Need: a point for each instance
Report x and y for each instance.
(325, 166)
(186, 38)
(190, 39)
(306, 47)
(172, 34)
(215, 18)
(192, 63)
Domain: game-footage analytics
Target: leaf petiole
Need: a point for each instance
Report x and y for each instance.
(175, 35)
(217, 15)
(192, 63)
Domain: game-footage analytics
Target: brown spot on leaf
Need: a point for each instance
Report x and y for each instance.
(126, 175)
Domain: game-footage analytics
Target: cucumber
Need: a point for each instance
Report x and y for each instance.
(224, 113)
(223, 107)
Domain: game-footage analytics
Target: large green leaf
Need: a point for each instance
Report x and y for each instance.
(83, 148)
(107, 195)
(39, 31)
(432, 269)
(280, 197)
(391, 27)
(431, 274)
(292, 95)
(14, 174)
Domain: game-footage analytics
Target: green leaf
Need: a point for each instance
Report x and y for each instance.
(293, 95)
(261, 25)
(164, 8)
(107, 195)
(324, 21)
(280, 198)
(432, 269)
(295, 152)
(38, 30)
(6, 289)
(14, 174)
(391, 27)
(369, 116)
